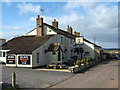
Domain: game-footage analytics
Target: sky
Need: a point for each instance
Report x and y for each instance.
(94, 20)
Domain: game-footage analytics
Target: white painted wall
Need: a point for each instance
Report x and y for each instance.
(3, 59)
(46, 31)
(87, 47)
(47, 58)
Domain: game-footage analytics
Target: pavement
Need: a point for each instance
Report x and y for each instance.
(104, 75)
(56, 70)
(31, 78)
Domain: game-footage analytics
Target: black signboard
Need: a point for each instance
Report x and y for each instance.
(10, 59)
(24, 60)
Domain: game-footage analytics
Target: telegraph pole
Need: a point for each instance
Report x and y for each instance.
(94, 40)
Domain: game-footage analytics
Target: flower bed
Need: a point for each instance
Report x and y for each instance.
(83, 64)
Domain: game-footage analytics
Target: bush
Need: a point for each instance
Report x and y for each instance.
(87, 60)
(78, 62)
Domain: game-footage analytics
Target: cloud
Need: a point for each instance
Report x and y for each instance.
(9, 32)
(28, 8)
(100, 21)
(8, 2)
(47, 19)
(11, 27)
(74, 5)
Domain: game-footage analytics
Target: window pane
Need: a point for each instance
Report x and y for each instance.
(37, 57)
(61, 40)
(3, 54)
(0, 53)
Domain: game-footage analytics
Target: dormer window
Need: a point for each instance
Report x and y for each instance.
(49, 30)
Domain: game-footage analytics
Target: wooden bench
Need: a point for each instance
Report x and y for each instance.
(56, 66)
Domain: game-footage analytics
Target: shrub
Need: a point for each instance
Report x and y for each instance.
(78, 62)
(87, 60)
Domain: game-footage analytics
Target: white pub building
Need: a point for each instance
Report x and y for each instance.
(43, 45)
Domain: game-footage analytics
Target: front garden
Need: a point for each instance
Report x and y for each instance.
(83, 64)
(75, 66)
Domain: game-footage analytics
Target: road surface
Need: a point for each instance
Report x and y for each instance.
(31, 78)
(104, 75)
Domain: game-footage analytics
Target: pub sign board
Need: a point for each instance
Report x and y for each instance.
(24, 60)
(10, 59)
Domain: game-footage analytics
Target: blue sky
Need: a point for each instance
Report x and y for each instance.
(92, 19)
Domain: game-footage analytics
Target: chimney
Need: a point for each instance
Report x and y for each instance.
(77, 34)
(55, 24)
(39, 26)
(69, 29)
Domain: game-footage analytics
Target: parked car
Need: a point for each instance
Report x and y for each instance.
(118, 57)
(113, 56)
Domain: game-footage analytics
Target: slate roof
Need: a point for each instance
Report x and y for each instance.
(91, 43)
(25, 44)
(60, 31)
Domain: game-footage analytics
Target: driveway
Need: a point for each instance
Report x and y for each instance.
(30, 78)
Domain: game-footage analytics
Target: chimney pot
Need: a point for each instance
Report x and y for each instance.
(77, 34)
(38, 16)
(69, 29)
(55, 23)
(54, 19)
(39, 26)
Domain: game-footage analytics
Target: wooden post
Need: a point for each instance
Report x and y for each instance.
(13, 79)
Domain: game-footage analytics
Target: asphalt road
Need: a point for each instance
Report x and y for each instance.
(104, 75)
(29, 78)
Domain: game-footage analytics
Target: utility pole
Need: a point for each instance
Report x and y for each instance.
(94, 50)
(94, 40)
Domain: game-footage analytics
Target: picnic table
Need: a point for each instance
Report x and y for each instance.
(55, 66)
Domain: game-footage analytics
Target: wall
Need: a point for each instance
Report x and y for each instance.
(46, 58)
(47, 31)
(87, 47)
(3, 59)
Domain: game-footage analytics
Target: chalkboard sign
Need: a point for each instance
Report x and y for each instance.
(24, 60)
(10, 59)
